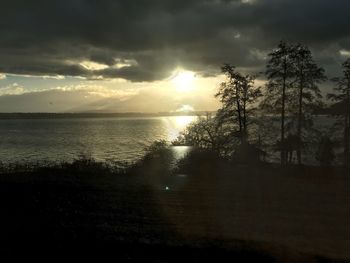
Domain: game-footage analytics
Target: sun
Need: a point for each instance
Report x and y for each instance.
(183, 81)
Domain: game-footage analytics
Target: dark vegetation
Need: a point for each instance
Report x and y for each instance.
(86, 209)
(252, 118)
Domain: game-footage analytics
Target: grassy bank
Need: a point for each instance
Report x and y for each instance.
(207, 209)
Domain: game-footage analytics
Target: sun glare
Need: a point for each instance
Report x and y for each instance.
(183, 81)
(177, 124)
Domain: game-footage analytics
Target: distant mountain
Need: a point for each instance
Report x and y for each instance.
(339, 108)
(94, 114)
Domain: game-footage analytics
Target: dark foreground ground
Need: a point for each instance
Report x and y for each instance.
(208, 211)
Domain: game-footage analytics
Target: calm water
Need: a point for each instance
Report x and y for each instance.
(107, 139)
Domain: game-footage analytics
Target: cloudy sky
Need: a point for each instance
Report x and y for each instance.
(151, 55)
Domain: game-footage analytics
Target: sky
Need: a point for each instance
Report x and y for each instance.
(151, 55)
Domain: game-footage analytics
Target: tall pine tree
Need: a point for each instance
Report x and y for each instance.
(341, 97)
(307, 76)
(279, 72)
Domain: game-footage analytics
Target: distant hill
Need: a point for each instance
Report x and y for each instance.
(45, 115)
(339, 108)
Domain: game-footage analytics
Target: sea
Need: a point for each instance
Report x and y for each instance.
(115, 140)
(110, 139)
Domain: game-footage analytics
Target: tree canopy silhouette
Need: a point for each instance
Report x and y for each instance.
(341, 106)
(292, 91)
(290, 99)
(279, 72)
(231, 126)
(238, 96)
(307, 77)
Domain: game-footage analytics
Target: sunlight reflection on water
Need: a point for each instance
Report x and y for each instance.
(105, 139)
(177, 124)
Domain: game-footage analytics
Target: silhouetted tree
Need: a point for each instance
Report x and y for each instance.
(230, 126)
(207, 133)
(341, 107)
(307, 76)
(280, 72)
(238, 96)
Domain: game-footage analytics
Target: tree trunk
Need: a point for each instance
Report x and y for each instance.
(245, 128)
(347, 128)
(300, 116)
(283, 152)
(346, 138)
(239, 112)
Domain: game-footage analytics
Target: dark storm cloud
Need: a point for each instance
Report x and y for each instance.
(52, 37)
